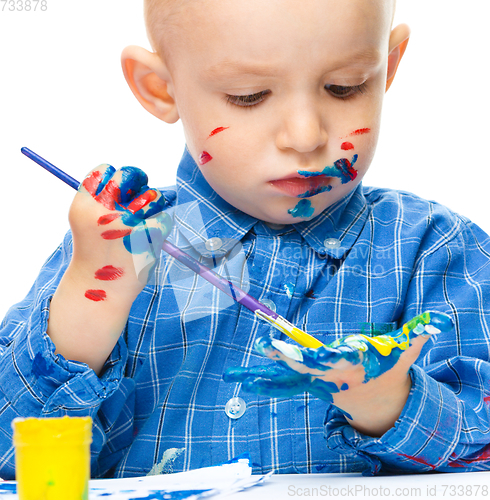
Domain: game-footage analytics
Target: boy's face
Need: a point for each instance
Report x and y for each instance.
(271, 91)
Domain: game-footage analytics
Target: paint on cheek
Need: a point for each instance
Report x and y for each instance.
(342, 168)
(217, 131)
(346, 146)
(302, 209)
(114, 234)
(106, 219)
(204, 157)
(109, 273)
(360, 131)
(96, 295)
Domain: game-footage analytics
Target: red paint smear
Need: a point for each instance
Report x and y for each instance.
(91, 183)
(96, 295)
(217, 131)
(114, 234)
(204, 158)
(109, 273)
(360, 131)
(418, 460)
(346, 146)
(110, 195)
(455, 464)
(105, 219)
(484, 455)
(487, 400)
(143, 200)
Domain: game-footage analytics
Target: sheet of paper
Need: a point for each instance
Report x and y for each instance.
(192, 485)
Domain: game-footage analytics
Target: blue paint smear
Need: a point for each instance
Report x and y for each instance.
(279, 380)
(314, 192)
(40, 367)
(144, 239)
(171, 495)
(302, 209)
(10, 487)
(109, 172)
(133, 182)
(343, 169)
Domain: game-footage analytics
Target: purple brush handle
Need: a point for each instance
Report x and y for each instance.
(215, 279)
(218, 281)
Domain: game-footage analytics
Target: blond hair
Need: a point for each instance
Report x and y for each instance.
(160, 22)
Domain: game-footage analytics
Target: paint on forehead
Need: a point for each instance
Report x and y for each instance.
(342, 168)
(109, 273)
(204, 157)
(302, 209)
(360, 131)
(346, 146)
(96, 295)
(217, 131)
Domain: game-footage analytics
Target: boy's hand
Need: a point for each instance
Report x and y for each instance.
(118, 224)
(366, 377)
(118, 231)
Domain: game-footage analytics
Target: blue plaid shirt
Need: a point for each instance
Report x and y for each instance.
(369, 263)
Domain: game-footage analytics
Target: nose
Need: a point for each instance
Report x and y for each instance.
(302, 129)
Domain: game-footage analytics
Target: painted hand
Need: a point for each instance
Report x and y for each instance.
(118, 226)
(343, 365)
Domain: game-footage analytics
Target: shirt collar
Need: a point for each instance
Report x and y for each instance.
(202, 215)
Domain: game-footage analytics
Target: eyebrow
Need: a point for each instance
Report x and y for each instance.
(230, 68)
(233, 68)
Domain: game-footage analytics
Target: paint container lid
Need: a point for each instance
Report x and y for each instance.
(63, 431)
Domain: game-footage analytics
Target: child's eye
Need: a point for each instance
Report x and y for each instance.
(247, 100)
(344, 92)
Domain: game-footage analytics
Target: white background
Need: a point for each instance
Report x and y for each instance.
(63, 95)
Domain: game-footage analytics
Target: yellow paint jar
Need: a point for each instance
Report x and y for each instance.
(52, 457)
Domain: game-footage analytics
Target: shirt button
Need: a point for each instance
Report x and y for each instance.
(268, 303)
(331, 243)
(275, 226)
(235, 407)
(213, 244)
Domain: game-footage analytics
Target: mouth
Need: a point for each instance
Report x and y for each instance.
(301, 187)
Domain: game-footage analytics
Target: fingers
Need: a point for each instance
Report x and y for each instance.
(126, 190)
(273, 380)
(148, 203)
(96, 179)
(121, 188)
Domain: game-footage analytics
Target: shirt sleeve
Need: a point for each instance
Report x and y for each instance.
(36, 382)
(445, 424)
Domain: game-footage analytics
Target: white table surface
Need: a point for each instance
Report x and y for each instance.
(354, 486)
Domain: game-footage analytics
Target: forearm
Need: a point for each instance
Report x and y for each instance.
(87, 330)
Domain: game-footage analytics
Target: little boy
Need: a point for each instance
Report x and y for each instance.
(281, 104)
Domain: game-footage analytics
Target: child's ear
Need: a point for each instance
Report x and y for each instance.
(150, 82)
(398, 43)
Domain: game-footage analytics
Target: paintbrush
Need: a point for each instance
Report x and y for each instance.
(214, 278)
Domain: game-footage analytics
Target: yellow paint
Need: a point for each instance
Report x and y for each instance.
(385, 343)
(52, 457)
(303, 338)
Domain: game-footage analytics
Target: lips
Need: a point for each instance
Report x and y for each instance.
(301, 187)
